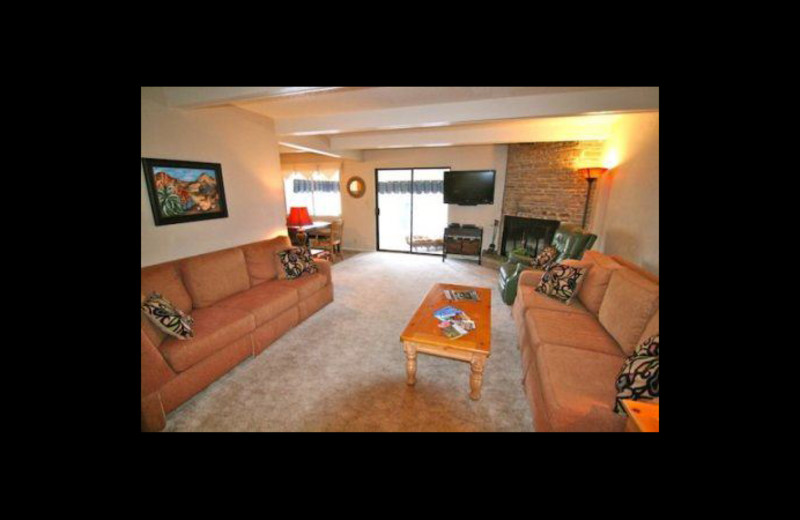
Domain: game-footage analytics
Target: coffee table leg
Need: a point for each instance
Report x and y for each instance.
(411, 363)
(476, 376)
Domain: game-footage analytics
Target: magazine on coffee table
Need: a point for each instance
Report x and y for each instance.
(466, 296)
(454, 322)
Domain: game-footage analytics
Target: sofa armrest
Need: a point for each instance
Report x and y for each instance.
(530, 277)
(325, 268)
(155, 371)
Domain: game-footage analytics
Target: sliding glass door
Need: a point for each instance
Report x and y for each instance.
(410, 210)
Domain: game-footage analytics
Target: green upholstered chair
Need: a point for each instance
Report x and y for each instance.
(569, 240)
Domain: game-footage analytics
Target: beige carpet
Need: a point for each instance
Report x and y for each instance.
(343, 369)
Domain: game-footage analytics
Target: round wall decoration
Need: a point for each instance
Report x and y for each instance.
(356, 187)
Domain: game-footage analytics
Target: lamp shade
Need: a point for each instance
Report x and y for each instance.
(298, 217)
(592, 173)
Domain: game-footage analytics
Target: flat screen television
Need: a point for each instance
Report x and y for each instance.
(469, 188)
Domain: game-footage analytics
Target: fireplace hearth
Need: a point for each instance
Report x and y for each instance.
(530, 233)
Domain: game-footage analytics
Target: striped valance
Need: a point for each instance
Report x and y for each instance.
(420, 187)
(306, 186)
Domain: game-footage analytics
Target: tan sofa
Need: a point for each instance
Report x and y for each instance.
(571, 354)
(239, 306)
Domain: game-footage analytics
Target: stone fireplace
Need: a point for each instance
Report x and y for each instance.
(543, 186)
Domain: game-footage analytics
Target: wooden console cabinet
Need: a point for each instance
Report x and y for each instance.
(467, 241)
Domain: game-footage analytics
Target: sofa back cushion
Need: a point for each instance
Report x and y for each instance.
(261, 258)
(165, 279)
(629, 303)
(211, 277)
(651, 329)
(596, 282)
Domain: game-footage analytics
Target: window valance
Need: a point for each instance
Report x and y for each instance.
(308, 186)
(420, 187)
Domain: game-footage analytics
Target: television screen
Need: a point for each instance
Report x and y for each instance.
(469, 187)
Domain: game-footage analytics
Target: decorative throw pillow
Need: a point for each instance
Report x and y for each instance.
(562, 282)
(167, 317)
(297, 262)
(545, 258)
(638, 378)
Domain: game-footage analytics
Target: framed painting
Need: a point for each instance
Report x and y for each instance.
(184, 191)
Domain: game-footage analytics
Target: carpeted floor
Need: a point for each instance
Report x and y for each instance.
(343, 369)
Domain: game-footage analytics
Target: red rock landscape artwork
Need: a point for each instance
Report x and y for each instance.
(180, 194)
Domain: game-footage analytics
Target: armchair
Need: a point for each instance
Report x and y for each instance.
(569, 240)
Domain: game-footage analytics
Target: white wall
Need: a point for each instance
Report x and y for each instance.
(247, 148)
(359, 214)
(628, 200)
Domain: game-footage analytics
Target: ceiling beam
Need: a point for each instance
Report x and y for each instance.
(583, 128)
(616, 100)
(318, 144)
(201, 97)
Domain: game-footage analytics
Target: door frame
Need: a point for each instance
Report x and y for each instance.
(378, 216)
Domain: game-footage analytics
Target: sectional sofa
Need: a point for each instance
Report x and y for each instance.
(571, 354)
(240, 306)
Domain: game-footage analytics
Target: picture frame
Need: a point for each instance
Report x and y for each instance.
(184, 191)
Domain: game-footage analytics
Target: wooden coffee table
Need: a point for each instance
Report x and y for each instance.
(422, 334)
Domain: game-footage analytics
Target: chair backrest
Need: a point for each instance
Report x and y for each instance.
(571, 241)
(337, 227)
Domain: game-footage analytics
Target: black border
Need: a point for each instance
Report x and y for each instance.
(150, 164)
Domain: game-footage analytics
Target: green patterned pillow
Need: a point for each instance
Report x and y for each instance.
(167, 317)
(562, 282)
(296, 262)
(638, 378)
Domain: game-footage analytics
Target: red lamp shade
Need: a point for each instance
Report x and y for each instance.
(298, 217)
(592, 173)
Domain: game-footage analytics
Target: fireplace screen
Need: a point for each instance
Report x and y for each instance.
(530, 233)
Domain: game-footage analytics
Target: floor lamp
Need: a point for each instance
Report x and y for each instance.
(592, 174)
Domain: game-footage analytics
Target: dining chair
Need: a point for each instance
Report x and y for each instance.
(333, 242)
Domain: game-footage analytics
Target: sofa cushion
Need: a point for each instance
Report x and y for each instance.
(531, 298)
(562, 282)
(212, 277)
(638, 378)
(214, 328)
(261, 258)
(165, 279)
(629, 303)
(596, 282)
(167, 317)
(265, 301)
(305, 285)
(578, 388)
(581, 331)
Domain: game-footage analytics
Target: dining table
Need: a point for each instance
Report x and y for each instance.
(299, 235)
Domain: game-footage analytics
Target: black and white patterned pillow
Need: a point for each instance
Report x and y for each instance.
(167, 317)
(297, 261)
(561, 282)
(545, 258)
(638, 378)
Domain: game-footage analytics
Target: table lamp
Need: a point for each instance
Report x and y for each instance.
(299, 217)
